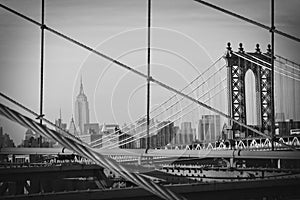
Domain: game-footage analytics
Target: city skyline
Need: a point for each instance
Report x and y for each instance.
(121, 33)
(187, 129)
(169, 99)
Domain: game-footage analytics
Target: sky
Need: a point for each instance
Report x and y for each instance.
(186, 37)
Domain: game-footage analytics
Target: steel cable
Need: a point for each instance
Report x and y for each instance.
(169, 99)
(262, 65)
(84, 150)
(249, 20)
(117, 145)
(139, 73)
(168, 108)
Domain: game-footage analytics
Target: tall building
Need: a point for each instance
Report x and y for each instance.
(141, 132)
(5, 140)
(110, 136)
(177, 135)
(129, 136)
(91, 128)
(81, 110)
(187, 133)
(72, 127)
(92, 135)
(125, 139)
(209, 128)
(165, 134)
(59, 123)
(97, 140)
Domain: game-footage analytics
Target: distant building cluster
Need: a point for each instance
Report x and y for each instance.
(209, 129)
(135, 136)
(166, 133)
(5, 140)
(112, 136)
(161, 133)
(33, 139)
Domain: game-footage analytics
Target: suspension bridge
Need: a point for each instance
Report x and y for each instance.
(252, 162)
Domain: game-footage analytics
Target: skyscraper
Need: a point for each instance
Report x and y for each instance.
(5, 140)
(81, 109)
(187, 132)
(59, 123)
(209, 128)
(72, 127)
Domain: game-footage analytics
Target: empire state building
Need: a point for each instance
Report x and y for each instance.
(81, 109)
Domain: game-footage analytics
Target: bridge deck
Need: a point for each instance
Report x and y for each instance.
(262, 189)
(243, 154)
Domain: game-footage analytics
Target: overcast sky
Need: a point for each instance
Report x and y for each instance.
(186, 38)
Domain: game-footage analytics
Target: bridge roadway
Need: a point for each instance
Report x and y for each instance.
(236, 190)
(58, 182)
(166, 153)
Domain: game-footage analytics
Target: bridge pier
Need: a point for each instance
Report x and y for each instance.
(232, 163)
(139, 160)
(33, 180)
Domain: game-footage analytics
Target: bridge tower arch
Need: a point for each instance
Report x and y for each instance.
(238, 64)
(252, 100)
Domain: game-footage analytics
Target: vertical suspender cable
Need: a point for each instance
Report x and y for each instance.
(148, 77)
(140, 74)
(272, 75)
(42, 65)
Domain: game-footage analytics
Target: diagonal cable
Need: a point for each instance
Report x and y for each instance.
(165, 102)
(248, 20)
(117, 145)
(137, 72)
(168, 108)
(86, 151)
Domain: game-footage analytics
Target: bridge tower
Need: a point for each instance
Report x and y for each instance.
(238, 63)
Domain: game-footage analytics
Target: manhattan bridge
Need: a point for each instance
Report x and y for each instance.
(254, 161)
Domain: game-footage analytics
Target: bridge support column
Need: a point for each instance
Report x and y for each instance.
(231, 161)
(139, 160)
(20, 186)
(3, 188)
(35, 186)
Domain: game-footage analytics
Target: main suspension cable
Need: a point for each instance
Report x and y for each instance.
(172, 121)
(263, 65)
(75, 144)
(168, 100)
(248, 20)
(169, 107)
